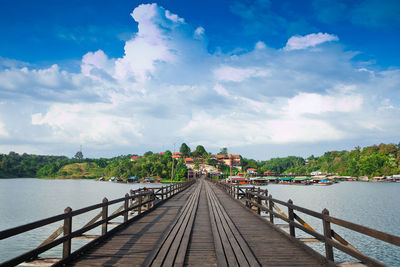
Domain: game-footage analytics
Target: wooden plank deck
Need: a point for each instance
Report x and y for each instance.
(202, 226)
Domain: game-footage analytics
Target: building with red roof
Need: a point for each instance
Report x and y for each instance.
(134, 158)
(188, 161)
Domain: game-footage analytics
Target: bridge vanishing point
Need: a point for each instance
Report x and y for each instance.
(197, 223)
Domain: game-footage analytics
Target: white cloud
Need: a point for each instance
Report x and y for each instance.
(232, 130)
(88, 124)
(199, 33)
(96, 60)
(310, 40)
(3, 132)
(221, 90)
(233, 74)
(312, 103)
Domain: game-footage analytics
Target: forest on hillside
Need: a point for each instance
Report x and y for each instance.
(375, 160)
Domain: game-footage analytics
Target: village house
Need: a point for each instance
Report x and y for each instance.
(188, 161)
(134, 158)
(268, 173)
(251, 171)
(177, 155)
(316, 173)
(230, 160)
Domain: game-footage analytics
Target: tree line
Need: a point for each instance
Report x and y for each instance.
(375, 160)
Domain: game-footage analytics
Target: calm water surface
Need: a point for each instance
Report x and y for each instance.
(376, 205)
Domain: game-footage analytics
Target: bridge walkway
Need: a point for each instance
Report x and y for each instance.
(202, 226)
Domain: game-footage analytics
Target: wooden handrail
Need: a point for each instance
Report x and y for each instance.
(392, 239)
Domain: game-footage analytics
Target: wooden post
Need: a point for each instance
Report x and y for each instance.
(271, 208)
(67, 231)
(291, 219)
(140, 203)
(104, 215)
(131, 192)
(266, 196)
(258, 200)
(162, 192)
(247, 198)
(328, 235)
(126, 206)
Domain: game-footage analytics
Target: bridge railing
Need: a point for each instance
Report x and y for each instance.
(137, 203)
(259, 200)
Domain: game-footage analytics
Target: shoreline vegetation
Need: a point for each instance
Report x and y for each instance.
(368, 162)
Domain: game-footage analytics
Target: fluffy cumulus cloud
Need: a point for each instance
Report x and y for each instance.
(168, 86)
(3, 132)
(310, 40)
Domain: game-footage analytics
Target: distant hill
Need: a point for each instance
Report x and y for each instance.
(87, 170)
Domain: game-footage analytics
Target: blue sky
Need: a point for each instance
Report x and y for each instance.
(264, 78)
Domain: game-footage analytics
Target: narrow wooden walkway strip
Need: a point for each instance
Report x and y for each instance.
(233, 249)
(174, 245)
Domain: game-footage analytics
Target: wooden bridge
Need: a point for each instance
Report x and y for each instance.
(201, 223)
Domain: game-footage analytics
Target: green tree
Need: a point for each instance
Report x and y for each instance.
(148, 153)
(185, 150)
(78, 155)
(223, 151)
(200, 151)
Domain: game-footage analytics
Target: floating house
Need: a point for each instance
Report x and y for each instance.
(363, 178)
(271, 179)
(258, 180)
(132, 179)
(378, 179)
(321, 180)
(302, 180)
(396, 178)
(285, 180)
(238, 180)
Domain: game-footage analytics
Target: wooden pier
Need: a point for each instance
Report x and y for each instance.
(198, 223)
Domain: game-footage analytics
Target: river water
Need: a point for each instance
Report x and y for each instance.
(376, 205)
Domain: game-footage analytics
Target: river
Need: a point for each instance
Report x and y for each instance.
(375, 205)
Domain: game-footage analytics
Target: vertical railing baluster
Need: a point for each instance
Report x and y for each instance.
(247, 198)
(104, 216)
(291, 219)
(132, 193)
(258, 201)
(126, 206)
(271, 208)
(67, 231)
(140, 203)
(327, 235)
(265, 199)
